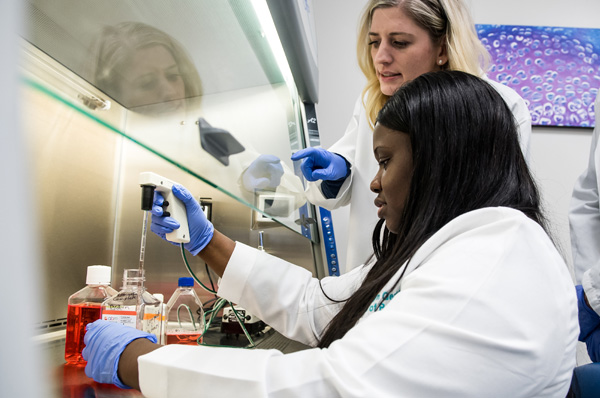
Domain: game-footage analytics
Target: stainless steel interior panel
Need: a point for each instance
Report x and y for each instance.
(74, 167)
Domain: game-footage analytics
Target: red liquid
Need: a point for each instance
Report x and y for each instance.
(184, 338)
(78, 316)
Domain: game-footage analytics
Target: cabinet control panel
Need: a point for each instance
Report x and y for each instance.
(329, 242)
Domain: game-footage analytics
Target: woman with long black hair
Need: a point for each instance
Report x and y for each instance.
(466, 295)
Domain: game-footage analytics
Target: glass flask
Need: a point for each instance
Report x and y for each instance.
(133, 305)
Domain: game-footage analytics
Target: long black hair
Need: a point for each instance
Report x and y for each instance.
(466, 156)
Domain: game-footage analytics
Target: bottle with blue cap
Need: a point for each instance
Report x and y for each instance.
(185, 315)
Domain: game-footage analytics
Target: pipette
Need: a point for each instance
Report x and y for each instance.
(172, 206)
(143, 244)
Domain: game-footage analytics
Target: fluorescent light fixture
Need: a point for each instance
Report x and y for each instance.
(270, 33)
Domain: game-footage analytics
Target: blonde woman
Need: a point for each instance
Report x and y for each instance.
(398, 40)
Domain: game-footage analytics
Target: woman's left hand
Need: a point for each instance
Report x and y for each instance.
(104, 344)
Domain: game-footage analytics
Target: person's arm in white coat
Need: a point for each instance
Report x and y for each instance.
(285, 296)
(301, 319)
(584, 213)
(466, 323)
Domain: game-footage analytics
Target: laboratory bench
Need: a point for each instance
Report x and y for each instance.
(73, 383)
(70, 381)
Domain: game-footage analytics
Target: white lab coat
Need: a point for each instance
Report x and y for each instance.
(486, 308)
(584, 214)
(356, 145)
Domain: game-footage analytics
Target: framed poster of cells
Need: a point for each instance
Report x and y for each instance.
(556, 70)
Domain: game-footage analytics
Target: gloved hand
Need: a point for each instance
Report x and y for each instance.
(201, 230)
(592, 343)
(265, 172)
(104, 344)
(320, 164)
(588, 319)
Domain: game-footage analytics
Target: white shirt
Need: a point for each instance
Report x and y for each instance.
(356, 145)
(486, 308)
(584, 214)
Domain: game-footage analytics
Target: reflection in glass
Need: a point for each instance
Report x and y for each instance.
(142, 67)
(218, 142)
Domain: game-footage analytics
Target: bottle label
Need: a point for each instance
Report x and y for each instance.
(151, 322)
(123, 314)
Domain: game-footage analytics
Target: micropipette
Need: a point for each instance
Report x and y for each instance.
(143, 244)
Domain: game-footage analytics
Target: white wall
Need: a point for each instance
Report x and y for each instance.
(558, 155)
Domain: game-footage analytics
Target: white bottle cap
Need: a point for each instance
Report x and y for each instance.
(98, 275)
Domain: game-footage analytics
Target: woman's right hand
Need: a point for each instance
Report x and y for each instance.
(320, 164)
(201, 230)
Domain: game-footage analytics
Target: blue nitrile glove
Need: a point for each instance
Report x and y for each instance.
(588, 319)
(104, 344)
(320, 164)
(201, 230)
(592, 343)
(264, 173)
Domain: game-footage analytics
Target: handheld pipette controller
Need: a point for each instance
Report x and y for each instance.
(172, 206)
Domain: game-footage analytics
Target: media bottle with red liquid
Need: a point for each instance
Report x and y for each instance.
(185, 315)
(84, 307)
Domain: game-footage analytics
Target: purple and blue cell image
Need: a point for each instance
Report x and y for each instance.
(556, 70)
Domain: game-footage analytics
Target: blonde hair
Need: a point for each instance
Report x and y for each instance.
(113, 48)
(448, 22)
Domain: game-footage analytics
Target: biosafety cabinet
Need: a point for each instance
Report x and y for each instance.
(210, 94)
